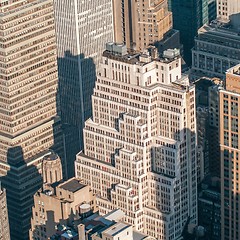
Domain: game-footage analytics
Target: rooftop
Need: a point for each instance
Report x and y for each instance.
(119, 52)
(219, 29)
(72, 185)
(116, 228)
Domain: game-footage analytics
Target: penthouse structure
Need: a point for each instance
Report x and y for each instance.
(28, 86)
(140, 145)
(229, 146)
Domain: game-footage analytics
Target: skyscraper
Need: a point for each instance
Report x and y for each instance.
(230, 145)
(82, 31)
(188, 17)
(140, 145)
(140, 23)
(28, 87)
(4, 224)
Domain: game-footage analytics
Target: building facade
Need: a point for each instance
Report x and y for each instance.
(140, 145)
(4, 224)
(141, 23)
(212, 10)
(82, 31)
(28, 86)
(61, 205)
(229, 145)
(188, 17)
(229, 10)
(216, 49)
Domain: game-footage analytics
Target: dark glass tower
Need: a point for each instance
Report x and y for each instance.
(188, 17)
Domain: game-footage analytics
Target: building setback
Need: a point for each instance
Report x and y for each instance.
(28, 87)
(140, 145)
(229, 146)
(4, 224)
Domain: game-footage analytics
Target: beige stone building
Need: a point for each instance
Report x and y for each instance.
(4, 224)
(28, 88)
(70, 200)
(229, 10)
(140, 23)
(230, 154)
(140, 145)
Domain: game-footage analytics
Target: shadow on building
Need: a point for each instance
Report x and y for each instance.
(50, 228)
(21, 182)
(176, 186)
(77, 76)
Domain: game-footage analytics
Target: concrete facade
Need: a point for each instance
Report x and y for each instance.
(140, 145)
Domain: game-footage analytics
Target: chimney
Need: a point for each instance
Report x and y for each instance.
(81, 232)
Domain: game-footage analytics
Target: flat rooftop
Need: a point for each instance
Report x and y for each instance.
(72, 185)
(116, 229)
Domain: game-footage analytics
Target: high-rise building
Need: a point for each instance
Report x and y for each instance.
(140, 145)
(28, 87)
(82, 31)
(188, 17)
(230, 145)
(140, 23)
(4, 224)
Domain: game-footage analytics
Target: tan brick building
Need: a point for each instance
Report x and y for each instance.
(230, 155)
(28, 88)
(141, 23)
(69, 200)
(4, 224)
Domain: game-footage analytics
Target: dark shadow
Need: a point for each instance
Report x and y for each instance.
(212, 10)
(77, 76)
(21, 183)
(207, 103)
(188, 17)
(235, 21)
(209, 208)
(171, 40)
